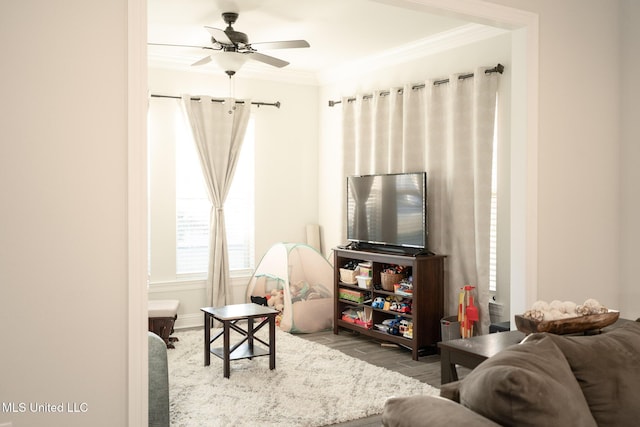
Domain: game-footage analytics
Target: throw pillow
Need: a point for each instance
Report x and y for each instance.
(528, 384)
(607, 367)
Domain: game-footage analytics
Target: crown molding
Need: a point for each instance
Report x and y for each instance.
(441, 42)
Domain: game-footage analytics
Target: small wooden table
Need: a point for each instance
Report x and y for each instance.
(470, 352)
(230, 315)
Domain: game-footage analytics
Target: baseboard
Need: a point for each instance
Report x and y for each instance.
(191, 320)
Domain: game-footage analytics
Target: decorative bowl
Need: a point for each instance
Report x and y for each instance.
(570, 325)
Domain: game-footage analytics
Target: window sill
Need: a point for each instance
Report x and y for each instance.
(193, 282)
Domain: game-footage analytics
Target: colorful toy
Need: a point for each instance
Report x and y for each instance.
(405, 307)
(276, 300)
(396, 269)
(394, 325)
(398, 304)
(403, 326)
(467, 311)
(409, 332)
(378, 302)
(403, 288)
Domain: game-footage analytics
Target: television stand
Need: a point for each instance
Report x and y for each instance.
(427, 300)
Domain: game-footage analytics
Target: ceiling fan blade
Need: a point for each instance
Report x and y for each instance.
(202, 61)
(181, 45)
(219, 35)
(286, 44)
(267, 59)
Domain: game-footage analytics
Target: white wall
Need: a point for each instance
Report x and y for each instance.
(63, 232)
(629, 86)
(286, 166)
(579, 199)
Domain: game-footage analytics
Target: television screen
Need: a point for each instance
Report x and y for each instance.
(388, 209)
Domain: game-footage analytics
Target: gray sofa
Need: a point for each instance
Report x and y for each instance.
(158, 382)
(548, 380)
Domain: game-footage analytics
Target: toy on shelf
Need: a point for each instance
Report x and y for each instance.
(353, 295)
(403, 326)
(467, 311)
(404, 288)
(359, 316)
(378, 302)
(392, 274)
(398, 326)
(408, 333)
(393, 325)
(402, 306)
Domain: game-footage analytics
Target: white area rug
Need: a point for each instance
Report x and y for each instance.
(312, 385)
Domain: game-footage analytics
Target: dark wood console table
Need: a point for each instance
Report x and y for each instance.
(470, 352)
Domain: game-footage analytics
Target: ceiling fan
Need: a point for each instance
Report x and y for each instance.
(234, 47)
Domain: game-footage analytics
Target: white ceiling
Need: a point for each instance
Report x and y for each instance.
(340, 32)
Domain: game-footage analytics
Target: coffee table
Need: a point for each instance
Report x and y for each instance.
(230, 315)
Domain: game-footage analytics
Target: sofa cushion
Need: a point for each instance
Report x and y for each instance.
(607, 367)
(528, 384)
(451, 391)
(429, 411)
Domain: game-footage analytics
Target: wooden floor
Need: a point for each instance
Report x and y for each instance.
(386, 355)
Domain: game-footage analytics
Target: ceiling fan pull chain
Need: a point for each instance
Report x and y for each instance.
(231, 87)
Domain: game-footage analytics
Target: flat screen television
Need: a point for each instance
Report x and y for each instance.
(388, 210)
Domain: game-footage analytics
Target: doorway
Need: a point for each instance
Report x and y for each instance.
(524, 122)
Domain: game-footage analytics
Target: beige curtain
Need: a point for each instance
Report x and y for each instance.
(446, 130)
(460, 118)
(218, 130)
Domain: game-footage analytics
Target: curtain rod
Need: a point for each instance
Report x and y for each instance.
(497, 69)
(196, 98)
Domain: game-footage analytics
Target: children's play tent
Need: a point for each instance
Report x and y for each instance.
(297, 280)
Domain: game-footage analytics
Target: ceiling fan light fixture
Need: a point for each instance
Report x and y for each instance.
(229, 61)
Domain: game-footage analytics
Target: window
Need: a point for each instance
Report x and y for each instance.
(239, 207)
(179, 207)
(193, 207)
(493, 232)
